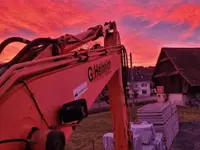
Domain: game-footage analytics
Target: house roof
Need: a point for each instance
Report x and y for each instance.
(142, 73)
(186, 61)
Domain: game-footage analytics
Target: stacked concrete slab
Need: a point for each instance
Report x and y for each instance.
(144, 138)
(164, 118)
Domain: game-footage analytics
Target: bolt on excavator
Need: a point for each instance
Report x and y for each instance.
(49, 86)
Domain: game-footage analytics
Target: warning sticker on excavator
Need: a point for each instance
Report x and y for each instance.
(78, 91)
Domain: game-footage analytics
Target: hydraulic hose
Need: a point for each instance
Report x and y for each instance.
(125, 72)
(98, 28)
(13, 140)
(28, 47)
(11, 40)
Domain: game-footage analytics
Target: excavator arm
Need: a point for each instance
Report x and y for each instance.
(44, 96)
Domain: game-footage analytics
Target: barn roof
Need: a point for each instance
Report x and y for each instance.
(186, 61)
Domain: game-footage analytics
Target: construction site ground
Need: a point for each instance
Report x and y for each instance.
(89, 135)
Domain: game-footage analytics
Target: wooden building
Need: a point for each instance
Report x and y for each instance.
(178, 70)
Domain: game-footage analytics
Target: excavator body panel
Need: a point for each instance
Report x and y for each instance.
(35, 94)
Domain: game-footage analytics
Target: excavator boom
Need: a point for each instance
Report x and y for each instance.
(47, 89)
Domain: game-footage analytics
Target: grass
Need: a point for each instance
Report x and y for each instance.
(188, 114)
(93, 128)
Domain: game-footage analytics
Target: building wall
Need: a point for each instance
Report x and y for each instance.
(143, 88)
(177, 98)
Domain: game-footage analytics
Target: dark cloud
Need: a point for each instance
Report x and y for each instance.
(166, 31)
(195, 37)
(134, 22)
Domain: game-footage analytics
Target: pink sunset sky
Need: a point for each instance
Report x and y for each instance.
(144, 25)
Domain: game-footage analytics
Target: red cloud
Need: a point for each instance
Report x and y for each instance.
(52, 18)
(42, 17)
(186, 14)
(144, 51)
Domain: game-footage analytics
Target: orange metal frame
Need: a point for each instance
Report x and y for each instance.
(51, 82)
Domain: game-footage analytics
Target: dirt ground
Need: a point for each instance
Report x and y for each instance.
(188, 137)
(90, 133)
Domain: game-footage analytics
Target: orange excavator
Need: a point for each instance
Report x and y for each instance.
(49, 86)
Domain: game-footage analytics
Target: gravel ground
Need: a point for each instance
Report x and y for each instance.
(188, 137)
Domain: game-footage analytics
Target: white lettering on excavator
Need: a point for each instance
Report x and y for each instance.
(78, 91)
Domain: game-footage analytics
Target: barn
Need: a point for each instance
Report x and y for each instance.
(178, 70)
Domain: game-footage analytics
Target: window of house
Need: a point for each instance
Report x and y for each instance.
(144, 91)
(137, 85)
(144, 84)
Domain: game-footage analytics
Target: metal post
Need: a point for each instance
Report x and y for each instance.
(93, 144)
(131, 66)
(134, 114)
